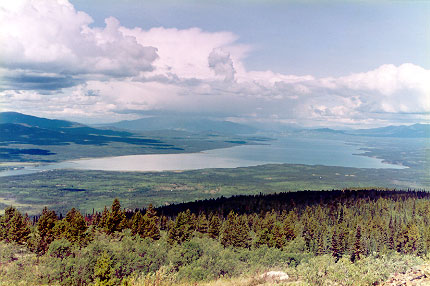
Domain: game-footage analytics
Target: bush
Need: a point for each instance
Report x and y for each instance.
(323, 270)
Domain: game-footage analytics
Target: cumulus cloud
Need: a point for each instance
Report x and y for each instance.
(51, 36)
(55, 62)
(221, 63)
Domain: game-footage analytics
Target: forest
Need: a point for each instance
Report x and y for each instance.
(367, 234)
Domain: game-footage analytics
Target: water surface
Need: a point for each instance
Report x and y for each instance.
(310, 151)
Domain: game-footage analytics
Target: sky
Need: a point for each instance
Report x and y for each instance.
(337, 64)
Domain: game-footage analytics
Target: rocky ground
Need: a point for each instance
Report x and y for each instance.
(416, 276)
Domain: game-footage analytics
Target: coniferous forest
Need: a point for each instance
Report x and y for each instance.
(350, 237)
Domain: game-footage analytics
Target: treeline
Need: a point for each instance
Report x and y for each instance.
(347, 223)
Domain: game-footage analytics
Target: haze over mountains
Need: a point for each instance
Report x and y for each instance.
(17, 128)
(402, 131)
(20, 128)
(181, 123)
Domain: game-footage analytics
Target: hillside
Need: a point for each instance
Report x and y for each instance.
(339, 237)
(25, 138)
(190, 124)
(402, 131)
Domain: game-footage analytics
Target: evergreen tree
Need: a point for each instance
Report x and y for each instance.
(182, 228)
(150, 224)
(45, 228)
(265, 237)
(357, 250)
(136, 226)
(320, 245)
(74, 226)
(214, 227)
(227, 233)
(18, 228)
(103, 219)
(336, 250)
(115, 220)
(279, 237)
(235, 231)
(15, 226)
(202, 223)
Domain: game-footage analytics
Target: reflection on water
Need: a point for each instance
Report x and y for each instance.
(285, 150)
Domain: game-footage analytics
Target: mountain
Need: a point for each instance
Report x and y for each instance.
(190, 124)
(23, 119)
(402, 131)
(17, 128)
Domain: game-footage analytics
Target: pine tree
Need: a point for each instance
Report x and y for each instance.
(182, 228)
(320, 245)
(103, 219)
(288, 230)
(357, 250)
(202, 223)
(115, 220)
(45, 227)
(18, 229)
(150, 224)
(242, 238)
(137, 224)
(228, 230)
(265, 237)
(278, 236)
(214, 227)
(235, 231)
(74, 226)
(336, 251)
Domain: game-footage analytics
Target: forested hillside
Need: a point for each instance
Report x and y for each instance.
(373, 233)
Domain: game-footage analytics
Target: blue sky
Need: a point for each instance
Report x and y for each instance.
(330, 38)
(312, 63)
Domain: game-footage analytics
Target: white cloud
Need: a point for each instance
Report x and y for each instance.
(51, 36)
(55, 62)
(221, 63)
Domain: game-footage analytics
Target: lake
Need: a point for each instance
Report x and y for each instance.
(310, 151)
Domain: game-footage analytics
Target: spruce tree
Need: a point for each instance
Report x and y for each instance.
(235, 231)
(45, 228)
(202, 223)
(357, 249)
(214, 227)
(150, 224)
(115, 220)
(74, 226)
(18, 229)
(336, 251)
(182, 229)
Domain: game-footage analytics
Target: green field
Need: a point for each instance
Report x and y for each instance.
(88, 190)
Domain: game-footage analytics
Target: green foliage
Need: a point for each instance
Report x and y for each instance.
(60, 248)
(182, 228)
(351, 236)
(235, 231)
(104, 271)
(14, 227)
(214, 226)
(323, 270)
(115, 220)
(74, 227)
(45, 228)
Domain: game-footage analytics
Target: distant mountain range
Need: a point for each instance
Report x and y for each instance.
(402, 131)
(17, 128)
(190, 124)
